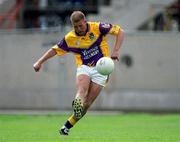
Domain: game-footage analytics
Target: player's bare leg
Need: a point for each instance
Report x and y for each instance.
(93, 92)
(82, 83)
(84, 101)
(87, 92)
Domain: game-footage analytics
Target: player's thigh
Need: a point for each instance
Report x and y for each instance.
(82, 84)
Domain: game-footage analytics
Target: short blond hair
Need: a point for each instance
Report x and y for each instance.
(76, 16)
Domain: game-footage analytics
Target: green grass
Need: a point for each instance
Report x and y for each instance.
(92, 128)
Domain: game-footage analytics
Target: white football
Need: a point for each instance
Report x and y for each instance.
(105, 65)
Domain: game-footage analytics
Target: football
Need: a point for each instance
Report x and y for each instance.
(105, 65)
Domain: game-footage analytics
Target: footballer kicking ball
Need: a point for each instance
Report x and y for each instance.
(105, 65)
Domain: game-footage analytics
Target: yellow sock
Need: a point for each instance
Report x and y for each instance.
(72, 120)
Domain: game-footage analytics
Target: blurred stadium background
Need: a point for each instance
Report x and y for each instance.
(147, 78)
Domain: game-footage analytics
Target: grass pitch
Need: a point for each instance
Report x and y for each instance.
(92, 128)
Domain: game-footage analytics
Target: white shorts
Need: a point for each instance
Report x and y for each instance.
(93, 74)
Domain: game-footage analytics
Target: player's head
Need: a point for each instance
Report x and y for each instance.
(79, 23)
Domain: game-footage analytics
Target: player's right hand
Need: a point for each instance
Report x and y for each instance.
(37, 66)
(115, 55)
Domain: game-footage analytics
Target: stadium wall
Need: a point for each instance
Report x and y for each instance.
(148, 81)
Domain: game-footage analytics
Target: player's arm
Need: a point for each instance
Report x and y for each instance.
(115, 30)
(49, 54)
(118, 43)
(58, 49)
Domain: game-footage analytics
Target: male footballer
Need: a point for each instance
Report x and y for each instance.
(87, 41)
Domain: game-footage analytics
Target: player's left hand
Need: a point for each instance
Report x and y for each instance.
(115, 56)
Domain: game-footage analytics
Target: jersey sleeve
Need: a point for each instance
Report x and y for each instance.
(114, 30)
(106, 28)
(60, 47)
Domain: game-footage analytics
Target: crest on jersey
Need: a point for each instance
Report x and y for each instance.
(91, 36)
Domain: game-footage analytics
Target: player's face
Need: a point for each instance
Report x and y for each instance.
(80, 27)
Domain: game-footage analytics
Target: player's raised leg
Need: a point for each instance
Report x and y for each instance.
(94, 91)
(83, 102)
(82, 83)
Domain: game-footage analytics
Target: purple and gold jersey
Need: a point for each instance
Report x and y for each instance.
(90, 48)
